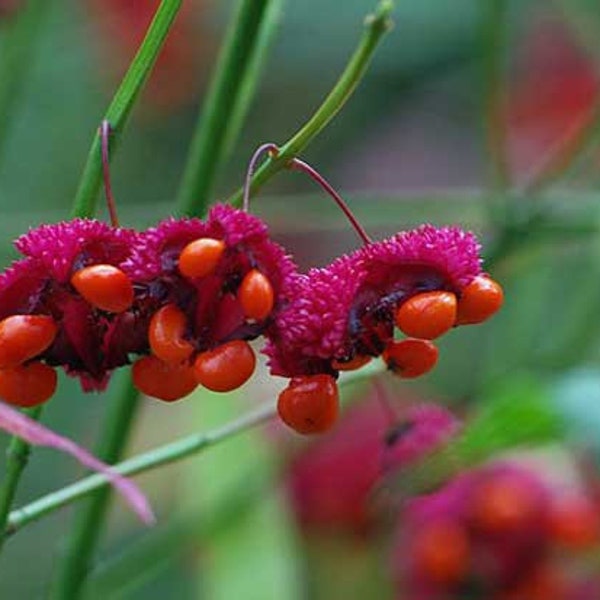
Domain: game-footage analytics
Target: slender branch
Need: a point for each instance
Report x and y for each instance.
(105, 131)
(162, 455)
(123, 101)
(376, 26)
(156, 457)
(300, 165)
(229, 89)
(263, 149)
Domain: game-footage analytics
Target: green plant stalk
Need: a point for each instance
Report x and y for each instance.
(20, 34)
(168, 453)
(254, 68)
(376, 25)
(210, 138)
(123, 101)
(76, 563)
(120, 417)
(17, 456)
(86, 530)
(156, 457)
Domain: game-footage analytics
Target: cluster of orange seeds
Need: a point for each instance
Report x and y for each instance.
(174, 368)
(429, 315)
(182, 300)
(25, 381)
(310, 403)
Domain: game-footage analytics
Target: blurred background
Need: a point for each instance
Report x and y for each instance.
(457, 117)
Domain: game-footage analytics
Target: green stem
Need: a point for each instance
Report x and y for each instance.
(119, 109)
(119, 420)
(169, 453)
(115, 433)
(376, 26)
(156, 457)
(230, 85)
(86, 530)
(19, 40)
(254, 68)
(17, 456)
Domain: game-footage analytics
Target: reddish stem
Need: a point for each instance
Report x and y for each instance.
(272, 150)
(300, 165)
(105, 131)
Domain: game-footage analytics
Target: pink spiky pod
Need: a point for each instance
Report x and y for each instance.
(348, 308)
(46, 318)
(493, 531)
(206, 288)
(423, 282)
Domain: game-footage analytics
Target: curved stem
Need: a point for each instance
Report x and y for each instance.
(156, 457)
(300, 165)
(376, 26)
(162, 455)
(105, 131)
(269, 148)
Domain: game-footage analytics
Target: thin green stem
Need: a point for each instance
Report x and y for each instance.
(86, 530)
(17, 456)
(76, 563)
(254, 68)
(376, 26)
(228, 98)
(122, 408)
(494, 32)
(156, 457)
(20, 34)
(123, 101)
(166, 454)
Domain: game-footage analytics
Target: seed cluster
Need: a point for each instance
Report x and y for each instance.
(417, 284)
(181, 302)
(501, 532)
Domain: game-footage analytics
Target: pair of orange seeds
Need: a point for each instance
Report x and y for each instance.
(27, 382)
(429, 315)
(167, 374)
